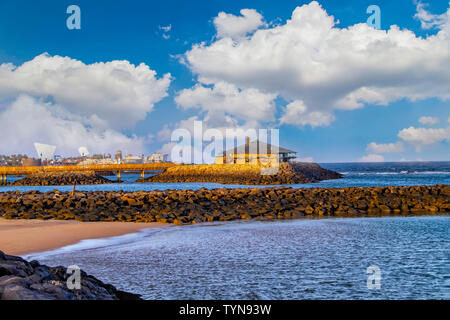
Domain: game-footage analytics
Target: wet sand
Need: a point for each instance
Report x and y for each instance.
(19, 237)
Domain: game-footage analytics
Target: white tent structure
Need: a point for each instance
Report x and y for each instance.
(83, 151)
(45, 151)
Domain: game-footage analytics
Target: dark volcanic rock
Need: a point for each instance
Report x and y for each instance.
(188, 206)
(61, 179)
(23, 280)
(246, 174)
(314, 172)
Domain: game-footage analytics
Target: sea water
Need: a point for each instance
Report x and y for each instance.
(355, 175)
(296, 259)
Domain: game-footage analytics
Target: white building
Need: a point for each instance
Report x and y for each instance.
(157, 157)
(90, 161)
(130, 159)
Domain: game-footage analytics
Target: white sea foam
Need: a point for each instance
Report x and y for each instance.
(101, 243)
(398, 173)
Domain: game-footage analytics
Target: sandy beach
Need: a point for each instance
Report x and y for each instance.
(19, 237)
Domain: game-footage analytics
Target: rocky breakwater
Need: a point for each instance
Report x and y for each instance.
(246, 174)
(23, 280)
(60, 179)
(188, 206)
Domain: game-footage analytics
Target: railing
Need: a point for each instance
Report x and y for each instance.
(139, 167)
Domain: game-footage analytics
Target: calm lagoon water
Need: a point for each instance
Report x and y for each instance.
(297, 259)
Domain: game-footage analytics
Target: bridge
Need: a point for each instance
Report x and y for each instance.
(141, 168)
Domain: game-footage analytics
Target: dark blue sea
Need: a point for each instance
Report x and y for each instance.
(355, 175)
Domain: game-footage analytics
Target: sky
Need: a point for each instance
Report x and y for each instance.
(337, 89)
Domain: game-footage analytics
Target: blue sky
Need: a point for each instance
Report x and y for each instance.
(132, 30)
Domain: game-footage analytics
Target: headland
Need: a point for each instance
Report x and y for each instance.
(246, 174)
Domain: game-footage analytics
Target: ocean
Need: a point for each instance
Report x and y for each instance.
(355, 175)
(326, 258)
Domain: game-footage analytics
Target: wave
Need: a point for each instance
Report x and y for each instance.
(398, 173)
(101, 243)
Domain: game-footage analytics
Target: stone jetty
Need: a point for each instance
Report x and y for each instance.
(23, 280)
(60, 179)
(188, 206)
(246, 174)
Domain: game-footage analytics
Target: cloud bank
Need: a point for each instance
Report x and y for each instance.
(62, 101)
(318, 68)
(385, 148)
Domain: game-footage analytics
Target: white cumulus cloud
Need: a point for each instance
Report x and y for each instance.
(116, 91)
(297, 113)
(420, 137)
(385, 148)
(224, 103)
(429, 121)
(229, 25)
(310, 59)
(429, 20)
(62, 101)
(27, 120)
(372, 158)
(165, 28)
(165, 31)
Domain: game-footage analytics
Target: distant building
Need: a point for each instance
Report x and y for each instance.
(12, 160)
(118, 156)
(72, 161)
(157, 157)
(31, 162)
(130, 159)
(92, 161)
(255, 152)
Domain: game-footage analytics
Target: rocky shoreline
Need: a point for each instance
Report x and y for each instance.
(188, 206)
(23, 280)
(246, 174)
(61, 179)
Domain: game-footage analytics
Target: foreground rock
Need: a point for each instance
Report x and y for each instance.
(246, 174)
(23, 280)
(188, 206)
(61, 179)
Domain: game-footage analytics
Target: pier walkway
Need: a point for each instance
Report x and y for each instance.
(118, 168)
